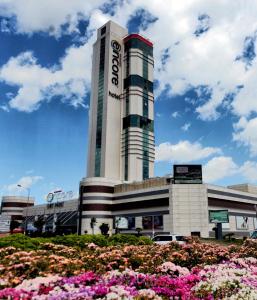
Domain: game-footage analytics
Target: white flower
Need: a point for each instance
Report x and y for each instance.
(34, 284)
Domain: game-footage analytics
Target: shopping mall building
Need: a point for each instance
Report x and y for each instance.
(120, 188)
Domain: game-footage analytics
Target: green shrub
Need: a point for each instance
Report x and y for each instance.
(27, 243)
(144, 240)
(128, 239)
(20, 241)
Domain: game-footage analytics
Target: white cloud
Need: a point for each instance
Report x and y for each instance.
(4, 107)
(48, 15)
(30, 171)
(183, 151)
(219, 168)
(26, 182)
(70, 79)
(249, 171)
(223, 166)
(186, 126)
(175, 114)
(208, 60)
(246, 134)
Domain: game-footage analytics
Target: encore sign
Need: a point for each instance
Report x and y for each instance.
(116, 48)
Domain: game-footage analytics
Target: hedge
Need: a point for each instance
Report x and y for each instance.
(27, 243)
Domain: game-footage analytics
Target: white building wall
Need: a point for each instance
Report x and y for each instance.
(135, 107)
(111, 113)
(189, 209)
(93, 111)
(150, 69)
(136, 66)
(151, 109)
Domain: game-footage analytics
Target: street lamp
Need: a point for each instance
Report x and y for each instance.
(153, 232)
(26, 216)
(55, 214)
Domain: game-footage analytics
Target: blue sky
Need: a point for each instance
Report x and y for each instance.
(205, 87)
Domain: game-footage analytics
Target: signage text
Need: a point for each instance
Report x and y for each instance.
(116, 47)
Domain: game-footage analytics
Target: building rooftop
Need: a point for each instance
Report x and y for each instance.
(244, 187)
(138, 185)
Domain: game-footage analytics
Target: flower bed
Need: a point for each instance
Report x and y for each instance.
(235, 279)
(192, 271)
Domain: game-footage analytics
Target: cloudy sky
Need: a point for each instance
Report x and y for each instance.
(205, 87)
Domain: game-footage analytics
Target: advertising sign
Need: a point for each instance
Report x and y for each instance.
(125, 222)
(121, 222)
(147, 222)
(5, 222)
(59, 196)
(242, 223)
(187, 174)
(218, 216)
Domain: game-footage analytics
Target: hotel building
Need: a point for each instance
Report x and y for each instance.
(121, 138)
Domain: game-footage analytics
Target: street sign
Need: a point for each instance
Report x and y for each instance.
(218, 216)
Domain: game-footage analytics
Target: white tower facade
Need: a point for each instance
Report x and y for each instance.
(121, 138)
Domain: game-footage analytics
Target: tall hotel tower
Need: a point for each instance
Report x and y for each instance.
(121, 145)
(121, 129)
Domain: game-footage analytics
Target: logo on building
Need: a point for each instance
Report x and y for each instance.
(116, 61)
(115, 96)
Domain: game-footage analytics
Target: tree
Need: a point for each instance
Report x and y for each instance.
(104, 228)
(138, 230)
(92, 224)
(39, 223)
(14, 224)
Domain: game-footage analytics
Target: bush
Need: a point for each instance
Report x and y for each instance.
(22, 242)
(27, 243)
(121, 239)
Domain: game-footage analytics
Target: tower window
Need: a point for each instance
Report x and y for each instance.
(138, 121)
(136, 80)
(103, 30)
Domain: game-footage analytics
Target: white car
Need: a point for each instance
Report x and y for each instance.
(167, 238)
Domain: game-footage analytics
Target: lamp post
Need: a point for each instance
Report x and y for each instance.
(26, 215)
(255, 206)
(55, 216)
(153, 232)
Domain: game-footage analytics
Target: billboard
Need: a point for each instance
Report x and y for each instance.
(242, 222)
(218, 216)
(147, 222)
(5, 222)
(187, 174)
(125, 222)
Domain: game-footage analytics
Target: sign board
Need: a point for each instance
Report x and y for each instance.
(121, 222)
(147, 222)
(5, 222)
(242, 222)
(218, 216)
(125, 222)
(187, 174)
(59, 196)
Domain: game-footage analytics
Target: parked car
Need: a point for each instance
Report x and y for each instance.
(163, 239)
(18, 230)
